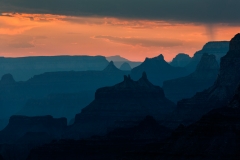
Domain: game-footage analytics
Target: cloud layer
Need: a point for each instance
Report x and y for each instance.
(142, 41)
(196, 11)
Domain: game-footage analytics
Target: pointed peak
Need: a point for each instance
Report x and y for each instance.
(111, 63)
(160, 57)
(111, 67)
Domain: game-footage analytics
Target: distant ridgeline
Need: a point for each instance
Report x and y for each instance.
(158, 70)
(23, 68)
(120, 61)
(217, 48)
(61, 94)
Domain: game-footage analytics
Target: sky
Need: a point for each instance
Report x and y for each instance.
(134, 29)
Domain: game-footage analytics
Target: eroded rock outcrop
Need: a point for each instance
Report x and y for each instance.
(218, 95)
(217, 48)
(186, 87)
(181, 60)
(158, 70)
(121, 105)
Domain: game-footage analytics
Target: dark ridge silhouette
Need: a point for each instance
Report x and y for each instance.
(218, 95)
(214, 136)
(23, 68)
(121, 105)
(119, 61)
(18, 126)
(24, 133)
(158, 70)
(202, 78)
(217, 48)
(181, 60)
(111, 146)
(125, 67)
(82, 84)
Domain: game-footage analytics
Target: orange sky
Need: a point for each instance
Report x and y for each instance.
(36, 34)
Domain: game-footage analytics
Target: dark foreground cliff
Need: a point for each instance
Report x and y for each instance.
(113, 145)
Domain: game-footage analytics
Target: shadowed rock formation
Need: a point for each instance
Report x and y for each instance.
(186, 87)
(217, 48)
(181, 60)
(218, 95)
(121, 105)
(214, 136)
(158, 70)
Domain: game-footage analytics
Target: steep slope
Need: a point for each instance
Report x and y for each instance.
(23, 68)
(202, 78)
(217, 48)
(121, 105)
(158, 70)
(181, 60)
(190, 110)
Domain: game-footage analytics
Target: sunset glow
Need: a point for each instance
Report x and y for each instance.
(46, 34)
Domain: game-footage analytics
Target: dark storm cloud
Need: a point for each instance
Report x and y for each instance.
(197, 11)
(142, 42)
